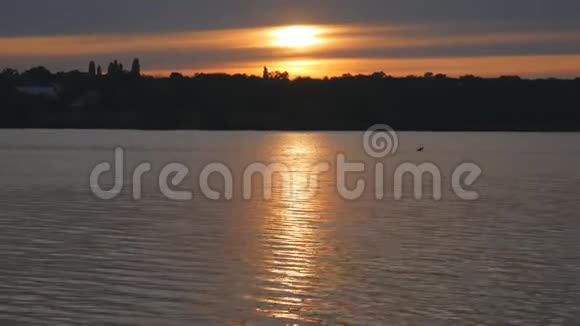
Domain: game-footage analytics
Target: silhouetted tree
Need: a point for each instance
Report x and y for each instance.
(99, 71)
(111, 69)
(176, 75)
(468, 77)
(38, 75)
(92, 69)
(136, 68)
(378, 75)
(9, 73)
(221, 101)
(115, 68)
(277, 75)
(265, 74)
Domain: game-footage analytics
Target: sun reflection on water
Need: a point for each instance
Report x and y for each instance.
(293, 241)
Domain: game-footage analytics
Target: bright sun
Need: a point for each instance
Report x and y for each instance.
(296, 37)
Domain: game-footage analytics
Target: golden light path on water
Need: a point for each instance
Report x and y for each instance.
(290, 276)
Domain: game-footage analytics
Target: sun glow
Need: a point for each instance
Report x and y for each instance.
(296, 37)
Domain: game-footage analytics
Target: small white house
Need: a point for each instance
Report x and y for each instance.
(48, 92)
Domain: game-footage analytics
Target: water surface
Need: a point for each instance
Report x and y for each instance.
(68, 258)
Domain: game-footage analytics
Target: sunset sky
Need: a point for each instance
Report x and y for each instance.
(535, 38)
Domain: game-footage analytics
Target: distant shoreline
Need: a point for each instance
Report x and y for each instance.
(121, 100)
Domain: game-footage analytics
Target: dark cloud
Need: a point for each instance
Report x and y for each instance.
(37, 17)
(464, 19)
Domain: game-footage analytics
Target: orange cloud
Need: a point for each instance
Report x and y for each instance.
(338, 49)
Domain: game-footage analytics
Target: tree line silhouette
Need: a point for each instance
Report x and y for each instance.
(126, 99)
